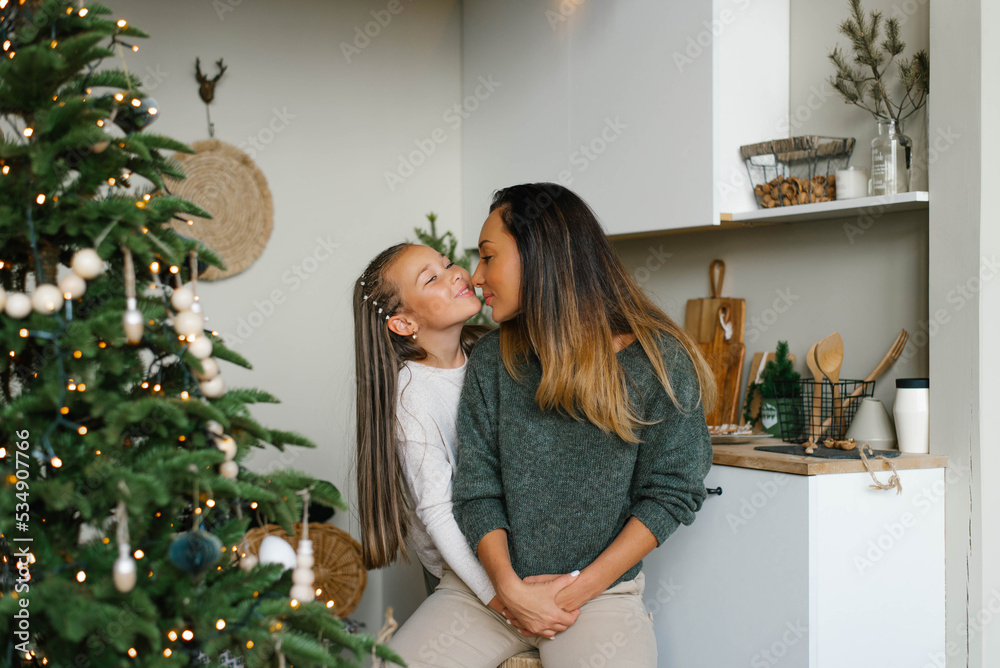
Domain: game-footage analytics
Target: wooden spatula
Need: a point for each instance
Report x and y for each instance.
(816, 412)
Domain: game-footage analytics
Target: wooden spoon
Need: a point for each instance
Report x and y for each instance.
(895, 350)
(815, 414)
(829, 355)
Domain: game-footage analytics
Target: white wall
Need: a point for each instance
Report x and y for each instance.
(348, 123)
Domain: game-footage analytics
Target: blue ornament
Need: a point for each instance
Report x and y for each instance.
(195, 551)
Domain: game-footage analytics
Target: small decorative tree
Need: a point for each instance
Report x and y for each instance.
(865, 86)
(773, 383)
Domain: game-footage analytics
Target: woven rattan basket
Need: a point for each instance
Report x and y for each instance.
(340, 573)
(523, 660)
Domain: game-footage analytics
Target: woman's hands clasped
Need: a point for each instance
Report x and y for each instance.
(531, 604)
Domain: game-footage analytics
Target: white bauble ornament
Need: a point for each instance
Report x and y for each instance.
(302, 593)
(189, 323)
(73, 286)
(213, 389)
(303, 576)
(46, 299)
(18, 305)
(214, 427)
(183, 298)
(132, 322)
(248, 562)
(3, 298)
(124, 569)
(275, 550)
(201, 347)
(227, 445)
(229, 470)
(87, 264)
(210, 369)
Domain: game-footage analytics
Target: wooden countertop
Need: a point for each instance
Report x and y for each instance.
(744, 456)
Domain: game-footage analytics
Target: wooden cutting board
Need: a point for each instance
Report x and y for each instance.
(725, 357)
(701, 315)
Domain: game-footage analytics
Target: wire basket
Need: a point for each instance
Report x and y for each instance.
(797, 170)
(817, 410)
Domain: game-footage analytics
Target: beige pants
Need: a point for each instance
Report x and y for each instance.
(453, 629)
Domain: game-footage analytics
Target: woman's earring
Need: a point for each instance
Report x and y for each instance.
(414, 335)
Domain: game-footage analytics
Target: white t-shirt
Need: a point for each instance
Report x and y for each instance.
(427, 409)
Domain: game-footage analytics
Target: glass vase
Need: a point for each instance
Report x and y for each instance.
(890, 160)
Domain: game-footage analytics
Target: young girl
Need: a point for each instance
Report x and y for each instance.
(410, 309)
(583, 443)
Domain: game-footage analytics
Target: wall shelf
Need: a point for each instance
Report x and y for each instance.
(847, 208)
(844, 208)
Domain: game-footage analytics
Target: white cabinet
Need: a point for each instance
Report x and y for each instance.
(639, 106)
(819, 571)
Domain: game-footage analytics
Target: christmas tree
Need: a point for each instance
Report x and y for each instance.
(123, 507)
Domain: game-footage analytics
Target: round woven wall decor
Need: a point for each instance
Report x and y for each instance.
(224, 181)
(339, 570)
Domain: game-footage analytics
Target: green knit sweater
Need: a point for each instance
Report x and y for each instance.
(562, 488)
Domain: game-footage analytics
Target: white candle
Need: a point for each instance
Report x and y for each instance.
(852, 183)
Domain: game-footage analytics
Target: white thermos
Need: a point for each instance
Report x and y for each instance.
(912, 412)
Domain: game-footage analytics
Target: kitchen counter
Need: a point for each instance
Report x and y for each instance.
(744, 456)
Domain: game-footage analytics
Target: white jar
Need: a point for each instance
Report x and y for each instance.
(912, 412)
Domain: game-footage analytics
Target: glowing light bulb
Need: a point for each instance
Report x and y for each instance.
(83, 12)
(172, 635)
(131, 650)
(249, 644)
(167, 651)
(77, 354)
(100, 122)
(23, 333)
(40, 199)
(82, 431)
(6, 44)
(119, 96)
(211, 504)
(187, 635)
(136, 102)
(139, 554)
(6, 170)
(64, 410)
(174, 269)
(71, 387)
(27, 131)
(111, 181)
(82, 387)
(221, 624)
(56, 462)
(81, 576)
(329, 604)
(152, 111)
(122, 23)
(135, 48)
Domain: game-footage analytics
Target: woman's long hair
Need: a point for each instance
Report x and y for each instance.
(576, 296)
(383, 503)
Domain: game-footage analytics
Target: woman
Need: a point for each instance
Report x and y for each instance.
(583, 444)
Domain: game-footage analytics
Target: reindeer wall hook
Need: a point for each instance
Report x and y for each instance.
(206, 89)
